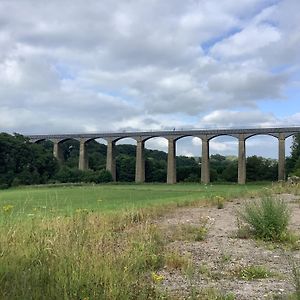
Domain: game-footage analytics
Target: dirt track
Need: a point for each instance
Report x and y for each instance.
(217, 259)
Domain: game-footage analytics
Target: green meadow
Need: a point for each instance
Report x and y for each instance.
(65, 200)
(93, 241)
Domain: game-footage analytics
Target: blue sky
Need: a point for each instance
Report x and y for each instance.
(92, 66)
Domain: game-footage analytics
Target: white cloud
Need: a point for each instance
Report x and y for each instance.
(247, 42)
(69, 66)
(228, 118)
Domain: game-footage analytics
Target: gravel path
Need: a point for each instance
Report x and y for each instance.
(217, 260)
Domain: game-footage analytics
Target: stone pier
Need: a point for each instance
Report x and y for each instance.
(281, 157)
(57, 151)
(242, 160)
(111, 158)
(140, 161)
(83, 157)
(205, 177)
(171, 172)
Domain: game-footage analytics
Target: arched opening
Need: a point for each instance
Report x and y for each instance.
(188, 150)
(156, 154)
(69, 149)
(46, 144)
(223, 159)
(125, 159)
(262, 158)
(96, 151)
(291, 158)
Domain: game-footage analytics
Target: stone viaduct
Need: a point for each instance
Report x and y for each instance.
(172, 136)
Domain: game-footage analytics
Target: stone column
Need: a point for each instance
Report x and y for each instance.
(242, 160)
(83, 157)
(205, 177)
(281, 157)
(111, 158)
(171, 172)
(57, 151)
(140, 161)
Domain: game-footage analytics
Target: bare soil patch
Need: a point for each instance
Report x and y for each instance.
(217, 261)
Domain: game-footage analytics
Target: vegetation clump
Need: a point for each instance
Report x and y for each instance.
(254, 272)
(267, 218)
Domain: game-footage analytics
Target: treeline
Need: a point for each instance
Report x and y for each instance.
(22, 162)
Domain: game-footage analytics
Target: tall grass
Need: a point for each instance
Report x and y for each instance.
(81, 257)
(267, 218)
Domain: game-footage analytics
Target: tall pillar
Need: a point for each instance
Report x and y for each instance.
(111, 158)
(140, 162)
(83, 158)
(57, 151)
(205, 178)
(281, 157)
(171, 172)
(242, 160)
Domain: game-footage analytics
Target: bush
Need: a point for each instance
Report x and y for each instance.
(268, 218)
(104, 176)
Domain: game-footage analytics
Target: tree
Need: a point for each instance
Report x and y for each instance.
(22, 162)
(293, 162)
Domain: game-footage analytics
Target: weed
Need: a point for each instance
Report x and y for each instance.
(267, 218)
(220, 202)
(291, 241)
(174, 260)
(253, 272)
(225, 257)
(189, 232)
(204, 270)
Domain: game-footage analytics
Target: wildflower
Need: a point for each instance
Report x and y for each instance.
(156, 277)
(7, 208)
(81, 210)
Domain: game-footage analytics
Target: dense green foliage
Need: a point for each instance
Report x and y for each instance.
(293, 162)
(22, 162)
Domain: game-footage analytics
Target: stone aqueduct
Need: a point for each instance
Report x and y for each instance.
(172, 136)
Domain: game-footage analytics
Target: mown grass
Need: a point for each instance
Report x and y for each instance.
(64, 201)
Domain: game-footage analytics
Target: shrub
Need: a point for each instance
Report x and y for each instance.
(268, 218)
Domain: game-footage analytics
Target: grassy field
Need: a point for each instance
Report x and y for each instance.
(64, 201)
(65, 243)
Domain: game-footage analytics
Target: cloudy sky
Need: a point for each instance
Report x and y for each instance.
(92, 66)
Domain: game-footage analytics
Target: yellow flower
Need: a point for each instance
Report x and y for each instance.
(156, 277)
(7, 208)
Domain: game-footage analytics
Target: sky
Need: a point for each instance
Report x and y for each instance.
(70, 66)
